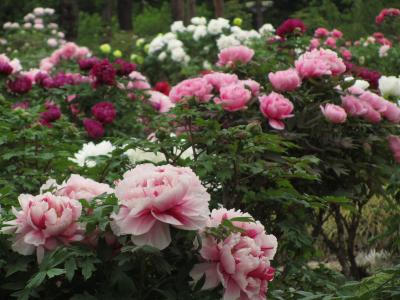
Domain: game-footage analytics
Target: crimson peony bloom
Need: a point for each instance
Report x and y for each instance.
(5, 68)
(103, 73)
(162, 87)
(153, 198)
(53, 113)
(124, 68)
(88, 63)
(20, 85)
(104, 112)
(291, 26)
(94, 128)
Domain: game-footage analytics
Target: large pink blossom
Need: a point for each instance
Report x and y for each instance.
(138, 81)
(154, 197)
(44, 222)
(321, 32)
(240, 262)
(392, 112)
(275, 108)
(353, 106)
(319, 62)
(394, 145)
(159, 101)
(378, 103)
(197, 88)
(253, 85)
(287, 80)
(78, 187)
(230, 56)
(233, 97)
(334, 113)
(218, 79)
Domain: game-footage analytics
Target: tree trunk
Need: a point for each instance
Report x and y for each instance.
(219, 8)
(191, 9)
(124, 11)
(177, 10)
(259, 14)
(106, 17)
(69, 18)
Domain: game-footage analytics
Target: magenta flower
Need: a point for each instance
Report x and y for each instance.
(93, 128)
(104, 112)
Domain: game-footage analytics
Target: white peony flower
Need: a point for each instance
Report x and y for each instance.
(201, 31)
(173, 44)
(362, 84)
(207, 65)
(83, 156)
(49, 11)
(169, 36)
(178, 26)
(191, 28)
(156, 44)
(52, 42)
(137, 156)
(266, 30)
(198, 21)
(178, 55)
(27, 25)
(39, 11)
(52, 26)
(38, 26)
(216, 26)
(389, 86)
(162, 56)
(226, 41)
(29, 17)
(383, 50)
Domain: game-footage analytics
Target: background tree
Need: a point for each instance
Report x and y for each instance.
(125, 13)
(69, 18)
(177, 10)
(219, 8)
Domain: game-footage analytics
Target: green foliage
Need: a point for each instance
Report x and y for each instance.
(152, 20)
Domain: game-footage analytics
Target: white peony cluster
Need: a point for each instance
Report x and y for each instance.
(84, 157)
(389, 86)
(173, 44)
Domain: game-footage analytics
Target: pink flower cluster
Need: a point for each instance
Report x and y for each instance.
(8, 66)
(386, 12)
(68, 51)
(160, 101)
(232, 94)
(51, 218)
(276, 108)
(233, 55)
(240, 262)
(319, 62)
(153, 198)
(331, 37)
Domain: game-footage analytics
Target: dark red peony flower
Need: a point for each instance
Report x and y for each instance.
(371, 76)
(52, 113)
(104, 112)
(291, 26)
(20, 85)
(5, 68)
(94, 128)
(162, 87)
(104, 73)
(88, 63)
(124, 67)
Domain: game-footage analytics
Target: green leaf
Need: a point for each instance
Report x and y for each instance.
(87, 268)
(70, 268)
(55, 272)
(36, 280)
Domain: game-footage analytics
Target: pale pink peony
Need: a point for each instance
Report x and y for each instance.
(218, 79)
(197, 88)
(154, 197)
(314, 43)
(319, 62)
(378, 103)
(159, 101)
(240, 262)
(233, 97)
(44, 222)
(275, 108)
(353, 106)
(394, 145)
(334, 113)
(287, 80)
(78, 187)
(253, 85)
(138, 81)
(392, 112)
(230, 56)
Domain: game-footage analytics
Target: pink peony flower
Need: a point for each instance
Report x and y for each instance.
(230, 56)
(337, 34)
(319, 62)
(291, 26)
(94, 128)
(154, 197)
(331, 42)
(387, 12)
(233, 97)
(254, 86)
(394, 145)
(138, 81)
(378, 103)
(346, 54)
(321, 32)
(44, 222)
(371, 115)
(198, 88)
(275, 108)
(78, 187)
(334, 113)
(159, 101)
(314, 43)
(240, 262)
(353, 106)
(392, 112)
(104, 112)
(218, 79)
(287, 80)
